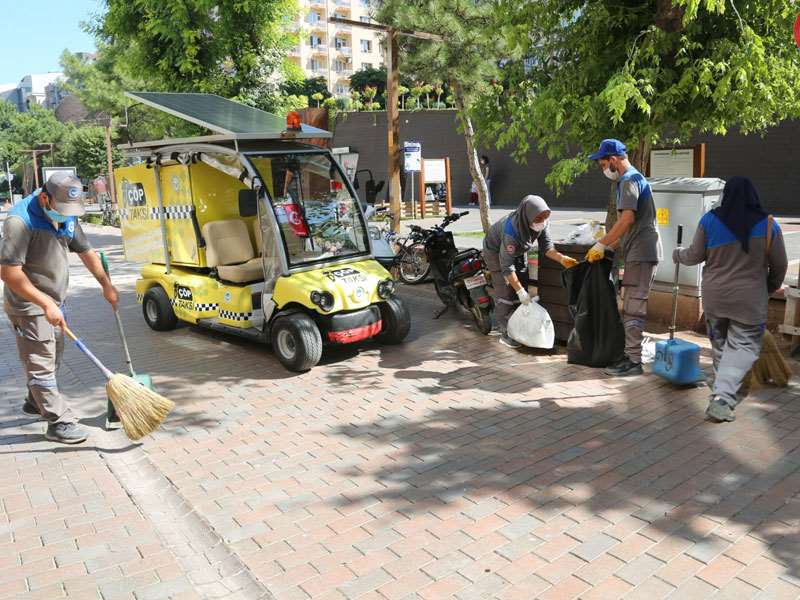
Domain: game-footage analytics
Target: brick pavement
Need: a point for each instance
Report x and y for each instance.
(449, 467)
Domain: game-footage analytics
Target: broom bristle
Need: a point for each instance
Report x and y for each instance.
(771, 366)
(140, 410)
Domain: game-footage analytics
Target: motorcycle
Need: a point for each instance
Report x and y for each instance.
(458, 277)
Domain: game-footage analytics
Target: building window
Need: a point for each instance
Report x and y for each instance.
(314, 40)
(341, 89)
(365, 19)
(313, 17)
(315, 64)
(340, 42)
(366, 45)
(366, 65)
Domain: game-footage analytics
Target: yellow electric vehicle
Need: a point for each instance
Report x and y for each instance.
(253, 232)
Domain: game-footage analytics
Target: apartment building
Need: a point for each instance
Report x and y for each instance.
(332, 50)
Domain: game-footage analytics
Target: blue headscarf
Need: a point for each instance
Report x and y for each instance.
(741, 209)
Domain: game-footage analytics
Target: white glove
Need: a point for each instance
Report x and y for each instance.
(523, 296)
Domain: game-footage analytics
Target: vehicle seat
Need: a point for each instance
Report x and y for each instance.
(229, 250)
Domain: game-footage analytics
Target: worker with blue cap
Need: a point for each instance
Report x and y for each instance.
(636, 233)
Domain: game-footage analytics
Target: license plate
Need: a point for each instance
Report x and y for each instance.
(475, 281)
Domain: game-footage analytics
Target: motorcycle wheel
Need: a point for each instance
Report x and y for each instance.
(483, 318)
(413, 265)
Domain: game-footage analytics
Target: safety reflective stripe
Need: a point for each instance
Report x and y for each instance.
(45, 382)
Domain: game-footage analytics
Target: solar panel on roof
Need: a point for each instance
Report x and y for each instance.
(218, 114)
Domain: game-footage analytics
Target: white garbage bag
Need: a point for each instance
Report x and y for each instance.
(586, 234)
(532, 326)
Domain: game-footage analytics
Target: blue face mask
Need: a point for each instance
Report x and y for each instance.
(56, 216)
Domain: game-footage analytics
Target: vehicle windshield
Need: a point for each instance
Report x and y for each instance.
(318, 217)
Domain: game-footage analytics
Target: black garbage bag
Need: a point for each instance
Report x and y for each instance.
(598, 339)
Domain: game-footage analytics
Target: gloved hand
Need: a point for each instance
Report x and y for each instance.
(568, 262)
(596, 252)
(523, 296)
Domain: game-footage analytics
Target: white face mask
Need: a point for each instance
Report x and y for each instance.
(538, 227)
(612, 175)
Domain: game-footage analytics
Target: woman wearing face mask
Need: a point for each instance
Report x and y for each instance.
(505, 249)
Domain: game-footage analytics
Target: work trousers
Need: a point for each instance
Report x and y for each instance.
(736, 347)
(505, 298)
(41, 347)
(636, 284)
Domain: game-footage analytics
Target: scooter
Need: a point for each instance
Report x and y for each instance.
(458, 277)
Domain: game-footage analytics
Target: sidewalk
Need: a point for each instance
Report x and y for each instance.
(448, 467)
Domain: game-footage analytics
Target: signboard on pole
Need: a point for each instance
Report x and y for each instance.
(412, 157)
(48, 171)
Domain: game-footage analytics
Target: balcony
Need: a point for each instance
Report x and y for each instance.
(344, 50)
(344, 73)
(343, 3)
(317, 2)
(319, 49)
(344, 28)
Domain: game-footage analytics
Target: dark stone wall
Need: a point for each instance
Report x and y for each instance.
(772, 161)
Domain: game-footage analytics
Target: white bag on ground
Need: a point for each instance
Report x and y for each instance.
(532, 326)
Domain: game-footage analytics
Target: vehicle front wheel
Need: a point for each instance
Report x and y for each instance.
(297, 342)
(157, 310)
(396, 321)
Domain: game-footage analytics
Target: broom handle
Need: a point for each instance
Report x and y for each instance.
(104, 262)
(675, 289)
(82, 347)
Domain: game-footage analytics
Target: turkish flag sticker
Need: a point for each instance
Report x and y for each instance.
(797, 31)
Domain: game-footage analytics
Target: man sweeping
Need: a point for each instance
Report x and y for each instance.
(636, 231)
(38, 235)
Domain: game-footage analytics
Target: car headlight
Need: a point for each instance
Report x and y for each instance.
(386, 288)
(322, 299)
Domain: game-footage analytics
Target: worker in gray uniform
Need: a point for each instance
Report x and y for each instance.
(38, 235)
(636, 233)
(745, 262)
(505, 250)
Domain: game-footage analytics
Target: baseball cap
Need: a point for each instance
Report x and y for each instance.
(610, 147)
(67, 193)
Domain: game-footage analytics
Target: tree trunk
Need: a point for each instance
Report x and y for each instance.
(472, 157)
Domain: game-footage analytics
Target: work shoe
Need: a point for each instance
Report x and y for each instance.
(66, 433)
(507, 341)
(29, 408)
(720, 411)
(624, 368)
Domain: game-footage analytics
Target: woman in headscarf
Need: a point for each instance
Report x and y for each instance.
(745, 262)
(505, 249)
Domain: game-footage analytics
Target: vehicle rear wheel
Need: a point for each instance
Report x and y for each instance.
(413, 265)
(158, 311)
(396, 321)
(296, 342)
(483, 318)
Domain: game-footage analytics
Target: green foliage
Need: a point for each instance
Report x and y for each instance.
(306, 87)
(225, 47)
(21, 132)
(655, 74)
(85, 149)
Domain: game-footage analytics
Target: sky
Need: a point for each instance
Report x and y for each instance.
(34, 33)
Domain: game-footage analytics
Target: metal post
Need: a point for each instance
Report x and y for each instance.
(110, 161)
(35, 171)
(393, 117)
(161, 216)
(10, 189)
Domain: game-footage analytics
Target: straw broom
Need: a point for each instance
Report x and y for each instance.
(770, 367)
(140, 409)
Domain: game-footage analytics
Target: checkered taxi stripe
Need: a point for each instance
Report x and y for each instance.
(235, 316)
(181, 211)
(199, 306)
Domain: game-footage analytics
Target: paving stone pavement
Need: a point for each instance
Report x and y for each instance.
(448, 467)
